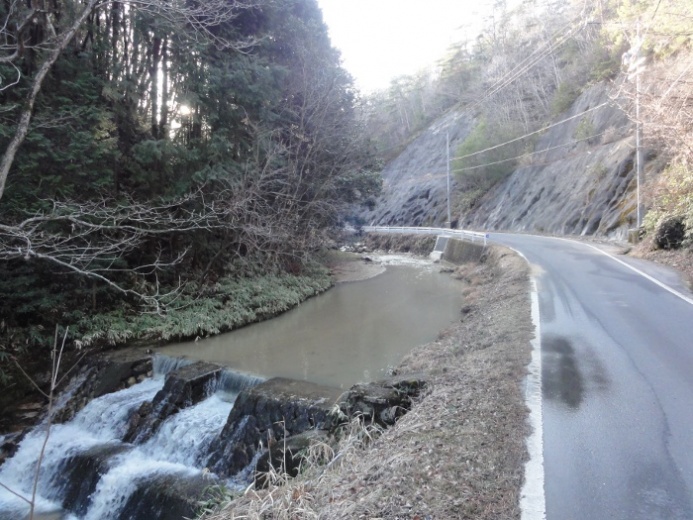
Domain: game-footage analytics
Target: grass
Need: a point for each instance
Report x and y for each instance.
(229, 304)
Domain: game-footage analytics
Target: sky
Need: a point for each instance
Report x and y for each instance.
(383, 39)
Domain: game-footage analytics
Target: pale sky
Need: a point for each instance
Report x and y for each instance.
(383, 39)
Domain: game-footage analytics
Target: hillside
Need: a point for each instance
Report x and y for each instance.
(573, 184)
(543, 130)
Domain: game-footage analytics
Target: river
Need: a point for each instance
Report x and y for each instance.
(352, 333)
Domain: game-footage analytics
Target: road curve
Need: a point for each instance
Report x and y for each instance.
(617, 385)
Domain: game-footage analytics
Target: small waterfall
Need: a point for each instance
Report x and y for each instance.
(163, 365)
(89, 473)
(100, 422)
(107, 416)
(185, 437)
(232, 382)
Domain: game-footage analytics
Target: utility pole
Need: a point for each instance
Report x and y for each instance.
(638, 127)
(636, 64)
(447, 150)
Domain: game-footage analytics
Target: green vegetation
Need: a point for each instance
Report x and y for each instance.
(481, 171)
(224, 306)
(673, 199)
(177, 167)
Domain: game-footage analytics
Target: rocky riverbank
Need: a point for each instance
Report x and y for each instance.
(459, 452)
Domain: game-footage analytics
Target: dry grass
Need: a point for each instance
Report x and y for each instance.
(679, 259)
(459, 453)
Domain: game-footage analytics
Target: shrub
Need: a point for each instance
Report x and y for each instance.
(565, 95)
(673, 201)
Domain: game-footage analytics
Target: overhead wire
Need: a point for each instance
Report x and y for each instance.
(559, 38)
(430, 176)
(525, 136)
(536, 152)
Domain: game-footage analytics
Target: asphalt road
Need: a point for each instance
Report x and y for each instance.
(617, 385)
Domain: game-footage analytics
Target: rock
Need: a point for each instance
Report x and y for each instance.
(381, 402)
(167, 497)
(184, 387)
(287, 456)
(9, 445)
(131, 381)
(410, 195)
(81, 473)
(118, 368)
(265, 414)
(102, 375)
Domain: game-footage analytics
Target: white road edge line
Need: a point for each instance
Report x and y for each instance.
(532, 496)
(635, 269)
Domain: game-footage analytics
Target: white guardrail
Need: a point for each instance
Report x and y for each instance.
(472, 236)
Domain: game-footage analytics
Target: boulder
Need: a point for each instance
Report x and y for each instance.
(184, 387)
(81, 473)
(102, 375)
(381, 402)
(9, 444)
(167, 497)
(266, 414)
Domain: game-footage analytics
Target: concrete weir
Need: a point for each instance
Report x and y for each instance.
(152, 449)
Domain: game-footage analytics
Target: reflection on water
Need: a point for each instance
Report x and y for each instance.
(351, 333)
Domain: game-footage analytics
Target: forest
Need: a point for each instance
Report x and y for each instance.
(170, 168)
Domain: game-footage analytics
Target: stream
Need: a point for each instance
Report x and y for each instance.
(352, 333)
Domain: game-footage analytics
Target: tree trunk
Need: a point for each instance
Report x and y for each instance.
(25, 118)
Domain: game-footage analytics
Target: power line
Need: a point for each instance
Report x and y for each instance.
(537, 152)
(523, 67)
(429, 176)
(533, 133)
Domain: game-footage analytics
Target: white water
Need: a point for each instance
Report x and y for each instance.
(101, 422)
(180, 447)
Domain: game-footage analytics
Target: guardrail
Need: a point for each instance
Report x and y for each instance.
(472, 236)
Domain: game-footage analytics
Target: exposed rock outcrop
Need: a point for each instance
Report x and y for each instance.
(415, 183)
(265, 414)
(582, 184)
(580, 178)
(184, 387)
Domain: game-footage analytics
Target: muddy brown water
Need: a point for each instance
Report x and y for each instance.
(352, 333)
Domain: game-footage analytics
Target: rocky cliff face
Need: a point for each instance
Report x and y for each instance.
(415, 183)
(579, 180)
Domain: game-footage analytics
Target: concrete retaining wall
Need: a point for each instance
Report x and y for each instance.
(460, 252)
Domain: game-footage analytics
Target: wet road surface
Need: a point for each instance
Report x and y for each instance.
(617, 367)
